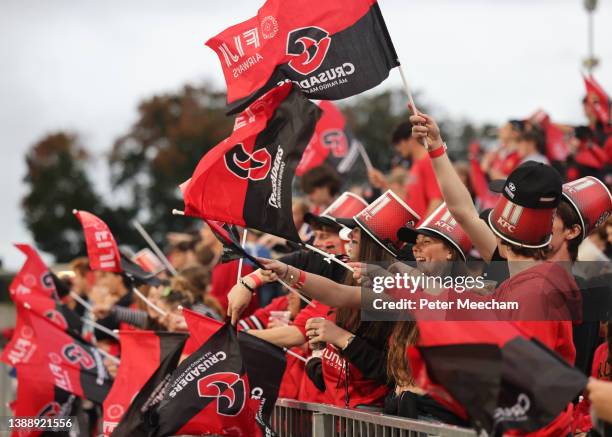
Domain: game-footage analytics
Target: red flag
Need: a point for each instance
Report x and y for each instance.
(101, 245)
(71, 364)
(503, 379)
(36, 399)
(330, 49)
(34, 276)
(246, 179)
(200, 326)
(557, 148)
(331, 142)
(597, 99)
(22, 345)
(141, 354)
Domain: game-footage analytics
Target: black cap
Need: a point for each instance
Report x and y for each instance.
(321, 220)
(531, 185)
(347, 222)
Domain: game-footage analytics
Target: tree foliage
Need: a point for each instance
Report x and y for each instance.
(163, 147)
(58, 182)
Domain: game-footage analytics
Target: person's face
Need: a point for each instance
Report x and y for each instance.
(154, 296)
(207, 235)
(320, 196)
(178, 259)
(404, 147)
(111, 282)
(609, 233)
(505, 134)
(328, 240)
(430, 249)
(561, 235)
(79, 283)
(354, 243)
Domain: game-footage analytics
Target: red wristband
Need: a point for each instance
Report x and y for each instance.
(256, 279)
(300, 282)
(438, 152)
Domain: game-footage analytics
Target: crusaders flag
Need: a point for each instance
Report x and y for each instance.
(70, 363)
(102, 248)
(332, 143)
(36, 399)
(34, 276)
(226, 387)
(142, 353)
(492, 371)
(136, 422)
(246, 179)
(330, 49)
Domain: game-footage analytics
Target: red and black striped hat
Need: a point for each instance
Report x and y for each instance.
(591, 200)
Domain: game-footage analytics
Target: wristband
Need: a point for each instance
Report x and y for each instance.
(247, 286)
(301, 279)
(350, 339)
(438, 151)
(256, 279)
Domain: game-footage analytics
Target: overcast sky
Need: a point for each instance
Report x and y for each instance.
(84, 65)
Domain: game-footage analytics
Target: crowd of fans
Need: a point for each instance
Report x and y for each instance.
(363, 364)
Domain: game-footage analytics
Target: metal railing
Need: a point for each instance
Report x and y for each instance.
(301, 419)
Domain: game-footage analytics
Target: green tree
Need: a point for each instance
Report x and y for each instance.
(57, 183)
(162, 149)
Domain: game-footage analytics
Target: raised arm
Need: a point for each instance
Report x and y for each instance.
(456, 194)
(318, 287)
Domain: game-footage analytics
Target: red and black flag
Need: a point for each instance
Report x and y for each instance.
(246, 179)
(332, 143)
(503, 380)
(58, 313)
(147, 359)
(228, 236)
(36, 399)
(330, 49)
(70, 363)
(265, 367)
(225, 387)
(34, 276)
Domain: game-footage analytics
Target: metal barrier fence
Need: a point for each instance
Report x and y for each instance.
(301, 419)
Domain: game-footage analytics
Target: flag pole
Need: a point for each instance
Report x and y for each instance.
(240, 261)
(149, 303)
(80, 300)
(408, 92)
(293, 354)
(155, 247)
(178, 212)
(364, 156)
(328, 257)
(100, 327)
(108, 356)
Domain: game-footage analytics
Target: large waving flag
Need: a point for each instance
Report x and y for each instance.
(332, 143)
(246, 179)
(71, 364)
(494, 372)
(142, 354)
(330, 49)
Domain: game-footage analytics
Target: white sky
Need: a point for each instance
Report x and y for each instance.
(84, 65)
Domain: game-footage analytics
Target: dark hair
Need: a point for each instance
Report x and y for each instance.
(569, 217)
(403, 131)
(517, 125)
(322, 176)
(536, 137)
(539, 254)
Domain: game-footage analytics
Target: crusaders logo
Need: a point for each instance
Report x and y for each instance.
(335, 141)
(228, 388)
(76, 354)
(254, 166)
(307, 48)
(52, 409)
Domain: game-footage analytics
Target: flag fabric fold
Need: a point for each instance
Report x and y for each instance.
(331, 50)
(246, 179)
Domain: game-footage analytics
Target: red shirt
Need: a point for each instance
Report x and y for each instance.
(421, 186)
